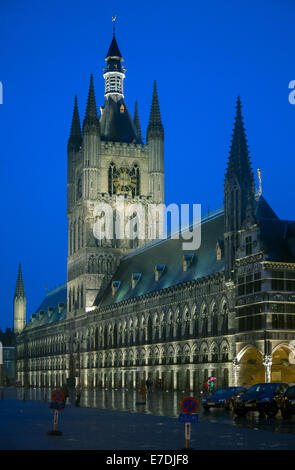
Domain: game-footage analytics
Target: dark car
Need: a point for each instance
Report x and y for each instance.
(287, 403)
(262, 397)
(222, 398)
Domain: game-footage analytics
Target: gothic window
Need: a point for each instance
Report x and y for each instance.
(248, 245)
(178, 327)
(149, 330)
(133, 231)
(205, 322)
(81, 297)
(224, 354)
(74, 237)
(156, 329)
(70, 300)
(79, 187)
(215, 354)
(214, 321)
(112, 189)
(224, 319)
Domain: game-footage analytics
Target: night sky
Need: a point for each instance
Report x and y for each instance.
(202, 54)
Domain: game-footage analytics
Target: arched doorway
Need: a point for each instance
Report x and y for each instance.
(251, 370)
(282, 370)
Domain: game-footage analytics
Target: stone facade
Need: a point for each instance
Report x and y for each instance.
(132, 311)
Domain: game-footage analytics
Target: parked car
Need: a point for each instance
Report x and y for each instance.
(222, 398)
(262, 397)
(287, 403)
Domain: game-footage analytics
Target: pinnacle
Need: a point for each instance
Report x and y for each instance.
(75, 134)
(155, 122)
(239, 159)
(19, 291)
(91, 117)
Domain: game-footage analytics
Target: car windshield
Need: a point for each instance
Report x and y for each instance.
(262, 388)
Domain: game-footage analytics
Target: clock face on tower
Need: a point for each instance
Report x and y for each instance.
(124, 181)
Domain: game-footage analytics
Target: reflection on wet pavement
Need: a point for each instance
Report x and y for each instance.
(159, 403)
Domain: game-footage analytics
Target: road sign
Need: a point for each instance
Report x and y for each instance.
(188, 418)
(57, 395)
(56, 406)
(189, 405)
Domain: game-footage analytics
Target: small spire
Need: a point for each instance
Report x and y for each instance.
(19, 291)
(155, 122)
(75, 139)
(114, 50)
(239, 159)
(136, 120)
(91, 117)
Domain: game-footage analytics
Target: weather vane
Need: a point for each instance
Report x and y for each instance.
(114, 20)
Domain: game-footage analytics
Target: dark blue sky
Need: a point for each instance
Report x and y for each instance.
(202, 54)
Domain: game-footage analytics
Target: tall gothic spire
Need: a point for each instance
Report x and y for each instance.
(19, 291)
(239, 165)
(91, 117)
(136, 120)
(75, 139)
(155, 123)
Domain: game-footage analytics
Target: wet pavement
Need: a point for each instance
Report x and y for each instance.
(159, 403)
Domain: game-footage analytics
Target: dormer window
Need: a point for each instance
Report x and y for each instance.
(219, 250)
(135, 277)
(122, 109)
(115, 287)
(159, 269)
(187, 260)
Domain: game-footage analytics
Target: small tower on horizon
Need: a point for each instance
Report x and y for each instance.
(19, 304)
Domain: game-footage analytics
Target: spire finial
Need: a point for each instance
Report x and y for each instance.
(75, 139)
(91, 117)
(20, 291)
(155, 122)
(114, 22)
(239, 160)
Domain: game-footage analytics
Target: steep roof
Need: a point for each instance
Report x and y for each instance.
(168, 253)
(114, 50)
(116, 124)
(48, 311)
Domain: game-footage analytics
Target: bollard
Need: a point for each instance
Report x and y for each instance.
(2, 395)
(24, 396)
(45, 397)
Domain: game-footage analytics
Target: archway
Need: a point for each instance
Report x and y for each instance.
(251, 370)
(282, 370)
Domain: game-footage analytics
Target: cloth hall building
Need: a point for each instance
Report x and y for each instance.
(132, 310)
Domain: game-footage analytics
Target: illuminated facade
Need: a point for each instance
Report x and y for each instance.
(130, 311)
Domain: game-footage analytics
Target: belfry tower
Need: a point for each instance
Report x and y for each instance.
(107, 162)
(239, 190)
(19, 304)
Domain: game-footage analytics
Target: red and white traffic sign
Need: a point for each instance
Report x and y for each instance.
(189, 405)
(57, 395)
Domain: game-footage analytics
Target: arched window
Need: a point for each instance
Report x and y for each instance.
(112, 169)
(205, 322)
(214, 321)
(224, 319)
